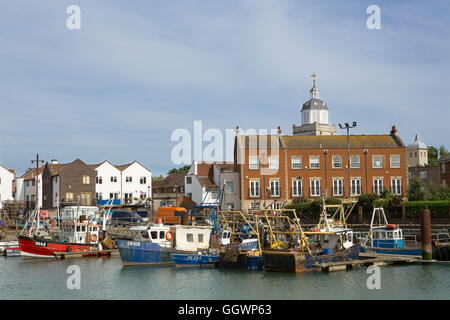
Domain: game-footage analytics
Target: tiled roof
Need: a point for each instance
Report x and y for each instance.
(206, 182)
(444, 158)
(261, 142)
(225, 167)
(124, 166)
(170, 180)
(340, 141)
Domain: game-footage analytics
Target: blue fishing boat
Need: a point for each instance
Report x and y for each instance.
(386, 238)
(155, 244)
(195, 259)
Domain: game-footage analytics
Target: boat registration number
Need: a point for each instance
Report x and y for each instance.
(193, 258)
(134, 244)
(40, 244)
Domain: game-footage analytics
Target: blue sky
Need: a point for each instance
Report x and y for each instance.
(136, 71)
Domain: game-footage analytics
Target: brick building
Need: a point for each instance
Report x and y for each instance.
(276, 169)
(425, 173)
(444, 170)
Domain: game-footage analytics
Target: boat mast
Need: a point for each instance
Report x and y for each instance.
(36, 206)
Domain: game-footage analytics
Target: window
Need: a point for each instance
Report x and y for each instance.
(154, 235)
(114, 196)
(230, 206)
(189, 195)
(161, 234)
(377, 162)
(377, 186)
(423, 174)
(86, 180)
(200, 237)
(315, 187)
(338, 187)
(337, 162)
(355, 162)
(143, 180)
(314, 162)
(395, 162)
(296, 162)
(69, 196)
(273, 162)
(409, 175)
(274, 187)
(128, 179)
(99, 196)
(253, 163)
(229, 186)
(442, 167)
(356, 186)
(99, 180)
(33, 183)
(113, 179)
(254, 188)
(396, 186)
(190, 237)
(188, 180)
(297, 188)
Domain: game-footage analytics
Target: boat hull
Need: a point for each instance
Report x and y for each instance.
(45, 248)
(242, 261)
(135, 253)
(286, 261)
(194, 260)
(394, 251)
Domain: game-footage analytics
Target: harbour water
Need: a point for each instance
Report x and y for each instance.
(106, 278)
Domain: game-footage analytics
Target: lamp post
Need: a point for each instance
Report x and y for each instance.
(348, 127)
(325, 152)
(37, 161)
(365, 161)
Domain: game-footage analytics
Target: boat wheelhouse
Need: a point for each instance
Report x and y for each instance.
(386, 238)
(154, 244)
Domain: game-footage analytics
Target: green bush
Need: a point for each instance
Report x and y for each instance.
(438, 209)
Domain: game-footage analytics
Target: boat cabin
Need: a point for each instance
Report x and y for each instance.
(74, 213)
(79, 232)
(387, 237)
(180, 237)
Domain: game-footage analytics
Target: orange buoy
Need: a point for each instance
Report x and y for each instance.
(169, 235)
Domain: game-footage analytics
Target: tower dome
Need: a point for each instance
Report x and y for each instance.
(314, 110)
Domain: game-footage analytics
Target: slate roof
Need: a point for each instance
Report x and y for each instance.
(340, 141)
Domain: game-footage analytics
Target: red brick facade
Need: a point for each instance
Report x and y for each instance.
(306, 167)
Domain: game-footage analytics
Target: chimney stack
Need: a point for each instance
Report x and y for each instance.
(394, 130)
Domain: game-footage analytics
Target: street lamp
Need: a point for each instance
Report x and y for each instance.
(325, 152)
(348, 127)
(365, 161)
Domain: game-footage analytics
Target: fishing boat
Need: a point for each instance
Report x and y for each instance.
(386, 238)
(202, 260)
(10, 249)
(154, 244)
(306, 250)
(76, 234)
(239, 241)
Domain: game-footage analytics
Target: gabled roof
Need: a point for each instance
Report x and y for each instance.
(254, 142)
(445, 158)
(170, 180)
(125, 166)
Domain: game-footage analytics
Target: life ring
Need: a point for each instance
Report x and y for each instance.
(314, 230)
(94, 237)
(392, 226)
(169, 235)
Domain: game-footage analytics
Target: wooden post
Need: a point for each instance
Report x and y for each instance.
(427, 252)
(403, 213)
(360, 214)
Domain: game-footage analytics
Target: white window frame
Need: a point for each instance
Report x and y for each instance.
(252, 164)
(396, 164)
(378, 185)
(296, 163)
(338, 164)
(297, 187)
(352, 162)
(338, 187)
(275, 189)
(375, 162)
(274, 162)
(356, 186)
(315, 165)
(315, 188)
(227, 186)
(256, 188)
(396, 186)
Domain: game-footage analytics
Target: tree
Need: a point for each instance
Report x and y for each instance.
(416, 190)
(442, 151)
(433, 155)
(184, 169)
